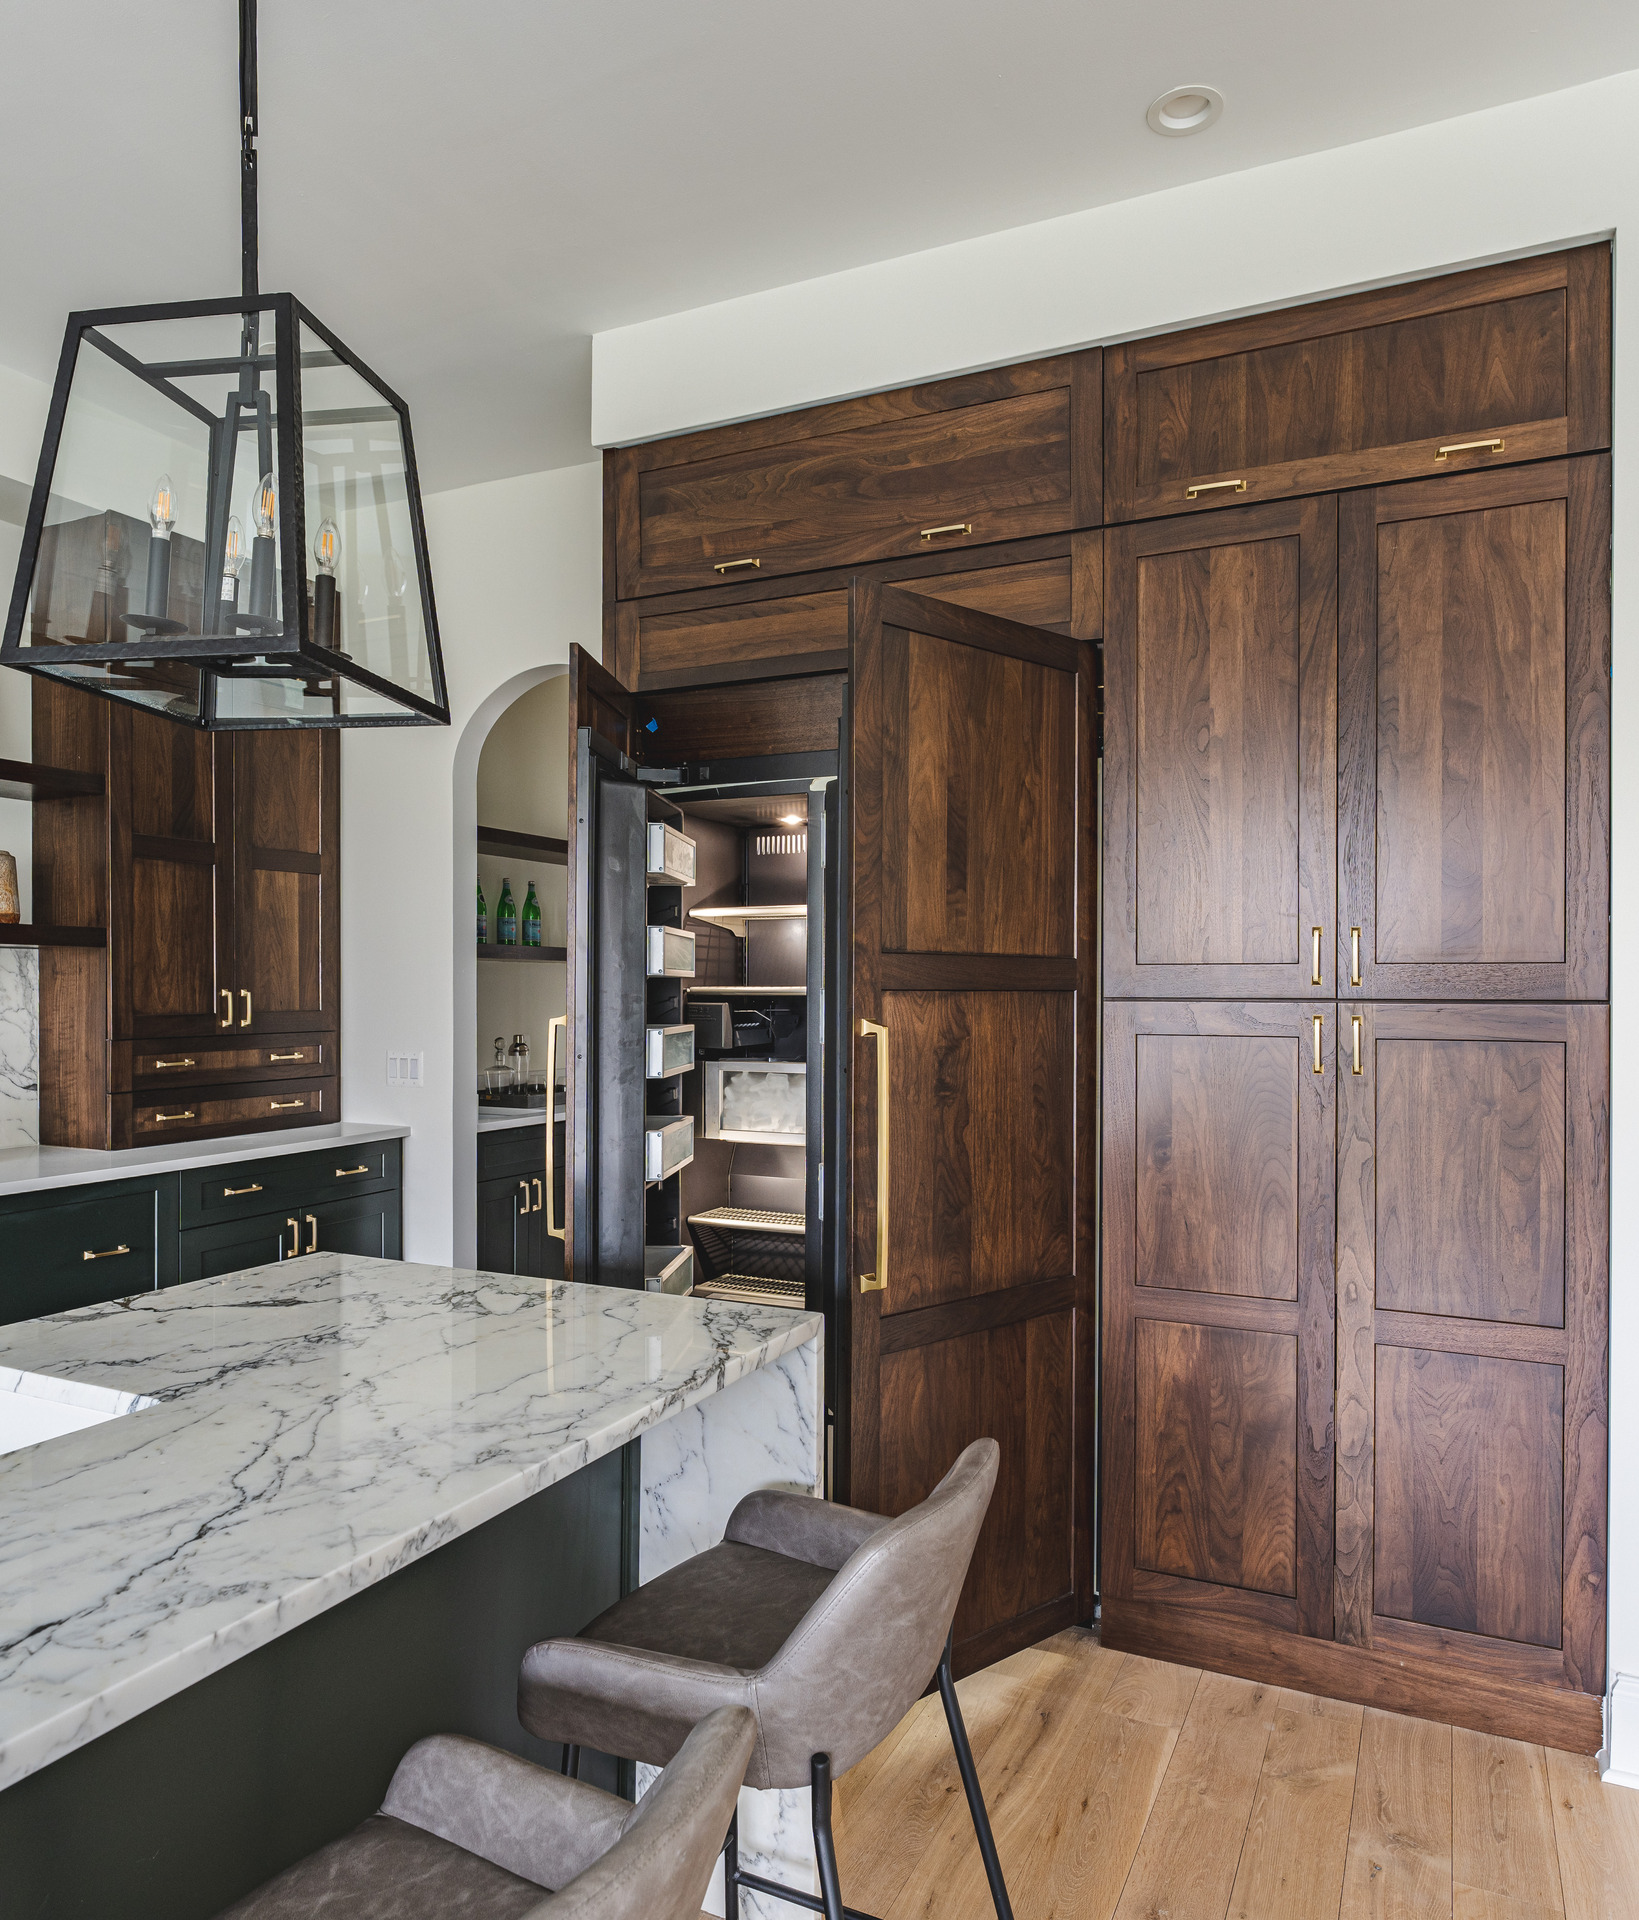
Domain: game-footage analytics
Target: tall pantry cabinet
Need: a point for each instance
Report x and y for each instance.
(1356, 968)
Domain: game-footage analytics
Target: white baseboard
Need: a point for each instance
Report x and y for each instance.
(1619, 1757)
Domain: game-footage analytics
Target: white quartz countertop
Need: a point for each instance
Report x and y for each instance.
(499, 1121)
(316, 1425)
(32, 1169)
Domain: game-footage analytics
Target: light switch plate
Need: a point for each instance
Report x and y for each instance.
(406, 1069)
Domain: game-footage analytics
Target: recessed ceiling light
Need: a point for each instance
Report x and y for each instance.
(1182, 110)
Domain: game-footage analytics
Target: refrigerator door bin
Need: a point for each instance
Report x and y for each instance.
(668, 1143)
(668, 1269)
(667, 1050)
(671, 856)
(763, 1101)
(671, 953)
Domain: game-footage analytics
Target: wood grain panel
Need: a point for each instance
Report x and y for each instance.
(982, 1176)
(702, 724)
(1219, 785)
(1217, 1196)
(285, 792)
(1471, 1179)
(287, 880)
(172, 928)
(1217, 1455)
(979, 794)
(171, 782)
(1218, 658)
(1471, 736)
(1469, 1527)
(1474, 713)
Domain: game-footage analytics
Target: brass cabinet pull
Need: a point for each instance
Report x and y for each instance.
(285, 1056)
(295, 1239)
(1354, 956)
(537, 1186)
(1197, 487)
(173, 1063)
(728, 566)
(956, 526)
(1355, 1024)
(346, 1173)
(1318, 1067)
(1314, 956)
(233, 1193)
(244, 994)
(877, 1282)
(160, 1119)
(108, 1253)
(312, 1220)
(226, 993)
(524, 1185)
(1470, 446)
(560, 1024)
(279, 1106)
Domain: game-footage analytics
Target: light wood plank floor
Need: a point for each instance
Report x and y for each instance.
(1126, 1789)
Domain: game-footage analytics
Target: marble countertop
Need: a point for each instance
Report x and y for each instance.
(498, 1121)
(33, 1169)
(315, 1426)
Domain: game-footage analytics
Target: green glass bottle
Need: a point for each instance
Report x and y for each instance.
(506, 917)
(532, 918)
(483, 917)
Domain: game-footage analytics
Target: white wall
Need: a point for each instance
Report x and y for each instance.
(1517, 179)
(516, 567)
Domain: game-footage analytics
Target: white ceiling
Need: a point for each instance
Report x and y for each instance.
(466, 190)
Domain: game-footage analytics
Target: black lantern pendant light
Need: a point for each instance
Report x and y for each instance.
(226, 525)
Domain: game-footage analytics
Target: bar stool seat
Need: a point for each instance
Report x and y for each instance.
(731, 1606)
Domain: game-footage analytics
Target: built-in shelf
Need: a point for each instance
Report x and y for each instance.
(26, 780)
(526, 846)
(750, 1220)
(737, 919)
(29, 935)
(492, 952)
(745, 993)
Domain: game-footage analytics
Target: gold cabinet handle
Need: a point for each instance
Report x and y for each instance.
(244, 994)
(956, 526)
(1314, 956)
(524, 1187)
(1470, 446)
(158, 1064)
(554, 1027)
(1355, 1024)
(295, 1239)
(108, 1253)
(1197, 487)
(312, 1220)
(877, 1282)
(285, 1056)
(537, 1186)
(233, 1193)
(1318, 1067)
(280, 1106)
(1354, 956)
(728, 566)
(162, 1119)
(226, 993)
(346, 1173)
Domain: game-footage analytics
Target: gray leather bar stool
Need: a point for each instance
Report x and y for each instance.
(825, 1621)
(470, 1833)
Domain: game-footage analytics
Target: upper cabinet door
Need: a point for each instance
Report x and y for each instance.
(1220, 755)
(990, 456)
(170, 877)
(1474, 694)
(1503, 363)
(288, 871)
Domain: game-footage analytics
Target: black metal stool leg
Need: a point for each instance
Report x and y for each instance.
(731, 1870)
(825, 1851)
(970, 1786)
(571, 1762)
(825, 1855)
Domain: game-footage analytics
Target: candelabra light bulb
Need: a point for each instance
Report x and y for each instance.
(233, 551)
(162, 507)
(264, 507)
(327, 546)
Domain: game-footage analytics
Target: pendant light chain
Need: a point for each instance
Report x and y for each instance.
(247, 149)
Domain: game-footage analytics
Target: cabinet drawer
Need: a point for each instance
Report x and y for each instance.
(362, 1223)
(512, 1151)
(287, 1182)
(992, 456)
(1514, 359)
(103, 1245)
(151, 1070)
(144, 1118)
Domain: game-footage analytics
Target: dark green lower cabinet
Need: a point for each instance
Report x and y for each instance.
(512, 1203)
(366, 1223)
(78, 1246)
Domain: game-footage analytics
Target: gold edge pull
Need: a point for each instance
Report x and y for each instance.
(285, 1056)
(1319, 1067)
(525, 1208)
(728, 566)
(877, 1282)
(1314, 957)
(558, 1024)
(174, 1063)
(279, 1106)
(956, 526)
(232, 1193)
(226, 993)
(346, 1173)
(108, 1253)
(535, 1183)
(1470, 446)
(295, 1227)
(313, 1232)
(1197, 487)
(244, 994)
(1355, 1024)
(161, 1118)
(1354, 956)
